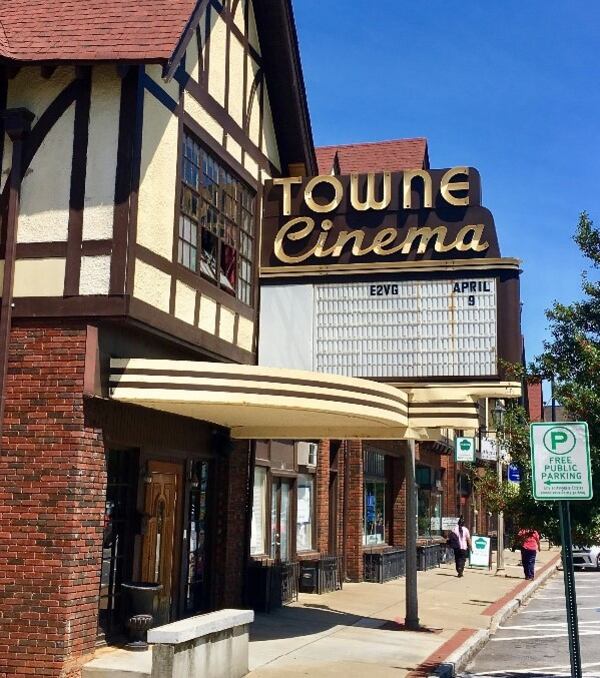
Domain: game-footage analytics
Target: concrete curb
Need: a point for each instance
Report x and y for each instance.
(459, 659)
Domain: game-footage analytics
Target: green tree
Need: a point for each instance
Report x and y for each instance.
(571, 357)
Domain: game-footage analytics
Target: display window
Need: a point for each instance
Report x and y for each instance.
(305, 513)
(429, 503)
(258, 534)
(374, 499)
(198, 529)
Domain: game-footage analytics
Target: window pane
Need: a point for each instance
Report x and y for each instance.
(209, 254)
(304, 531)
(215, 200)
(258, 535)
(374, 520)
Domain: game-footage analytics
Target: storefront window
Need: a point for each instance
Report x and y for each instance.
(305, 512)
(196, 578)
(374, 498)
(374, 520)
(216, 224)
(258, 536)
(429, 502)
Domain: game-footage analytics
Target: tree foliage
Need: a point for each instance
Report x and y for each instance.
(571, 357)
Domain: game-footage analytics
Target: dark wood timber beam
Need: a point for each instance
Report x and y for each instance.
(47, 71)
(17, 125)
(123, 69)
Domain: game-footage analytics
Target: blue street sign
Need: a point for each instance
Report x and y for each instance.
(514, 473)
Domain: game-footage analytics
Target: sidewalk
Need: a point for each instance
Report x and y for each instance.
(357, 632)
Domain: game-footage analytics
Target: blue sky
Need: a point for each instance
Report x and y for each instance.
(509, 87)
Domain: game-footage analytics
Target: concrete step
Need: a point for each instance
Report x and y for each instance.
(119, 663)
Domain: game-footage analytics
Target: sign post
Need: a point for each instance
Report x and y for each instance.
(561, 471)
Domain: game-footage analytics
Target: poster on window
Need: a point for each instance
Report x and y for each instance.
(436, 523)
(304, 505)
(257, 534)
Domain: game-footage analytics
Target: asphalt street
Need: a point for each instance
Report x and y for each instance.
(534, 642)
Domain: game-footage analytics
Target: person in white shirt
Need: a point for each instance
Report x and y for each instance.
(460, 541)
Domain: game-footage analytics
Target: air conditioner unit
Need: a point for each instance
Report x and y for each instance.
(307, 454)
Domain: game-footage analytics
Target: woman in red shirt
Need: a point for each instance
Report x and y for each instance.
(530, 545)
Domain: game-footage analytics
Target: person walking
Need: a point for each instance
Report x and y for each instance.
(460, 542)
(530, 545)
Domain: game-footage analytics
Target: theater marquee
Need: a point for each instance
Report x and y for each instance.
(396, 276)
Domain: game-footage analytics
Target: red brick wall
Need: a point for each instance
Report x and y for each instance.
(398, 490)
(322, 490)
(354, 528)
(52, 492)
(231, 544)
(535, 400)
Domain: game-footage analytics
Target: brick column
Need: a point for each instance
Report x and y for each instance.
(398, 502)
(52, 493)
(322, 490)
(354, 528)
(231, 544)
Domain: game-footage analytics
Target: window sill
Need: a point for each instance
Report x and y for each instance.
(308, 555)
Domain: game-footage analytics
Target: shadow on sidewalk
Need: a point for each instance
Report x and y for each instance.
(290, 622)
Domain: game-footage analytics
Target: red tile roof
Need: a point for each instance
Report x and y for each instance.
(92, 30)
(379, 156)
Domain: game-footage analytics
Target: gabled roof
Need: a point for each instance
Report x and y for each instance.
(378, 156)
(157, 31)
(92, 30)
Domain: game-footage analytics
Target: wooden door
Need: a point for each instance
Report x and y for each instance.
(160, 545)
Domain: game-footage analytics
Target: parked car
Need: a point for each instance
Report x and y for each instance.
(586, 557)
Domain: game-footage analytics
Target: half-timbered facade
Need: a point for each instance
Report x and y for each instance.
(134, 141)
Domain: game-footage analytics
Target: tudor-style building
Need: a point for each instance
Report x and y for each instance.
(134, 141)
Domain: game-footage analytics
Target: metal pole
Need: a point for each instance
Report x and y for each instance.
(570, 595)
(500, 547)
(412, 602)
(568, 573)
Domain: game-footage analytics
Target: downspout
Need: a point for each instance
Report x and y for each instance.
(345, 511)
(17, 124)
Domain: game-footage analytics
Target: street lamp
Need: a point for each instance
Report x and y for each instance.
(498, 413)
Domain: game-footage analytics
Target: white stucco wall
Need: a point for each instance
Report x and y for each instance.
(207, 319)
(103, 141)
(286, 326)
(152, 286)
(185, 301)
(207, 122)
(156, 202)
(236, 80)
(39, 277)
(95, 275)
(46, 188)
(217, 47)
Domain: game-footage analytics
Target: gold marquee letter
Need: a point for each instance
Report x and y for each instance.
(370, 202)
(284, 232)
(474, 243)
(446, 187)
(407, 179)
(323, 179)
(287, 182)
